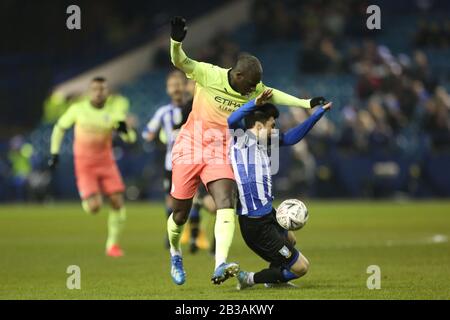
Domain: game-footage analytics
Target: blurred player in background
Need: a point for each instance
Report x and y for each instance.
(218, 92)
(95, 120)
(168, 120)
(252, 169)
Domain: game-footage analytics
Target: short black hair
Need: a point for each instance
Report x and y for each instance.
(261, 114)
(98, 79)
(248, 63)
(176, 73)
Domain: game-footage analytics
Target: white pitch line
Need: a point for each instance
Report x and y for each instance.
(434, 239)
(437, 238)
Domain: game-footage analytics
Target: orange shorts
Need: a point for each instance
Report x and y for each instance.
(187, 177)
(194, 162)
(95, 178)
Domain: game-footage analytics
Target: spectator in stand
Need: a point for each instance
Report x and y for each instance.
(436, 121)
(432, 34)
(321, 57)
(221, 50)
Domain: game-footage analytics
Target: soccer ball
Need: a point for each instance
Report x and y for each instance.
(292, 214)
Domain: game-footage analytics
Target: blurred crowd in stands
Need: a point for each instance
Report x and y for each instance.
(397, 100)
(392, 93)
(433, 34)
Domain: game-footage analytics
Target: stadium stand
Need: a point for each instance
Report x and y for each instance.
(391, 115)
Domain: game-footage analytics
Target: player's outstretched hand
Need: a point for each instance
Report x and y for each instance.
(178, 28)
(317, 101)
(53, 161)
(263, 97)
(327, 106)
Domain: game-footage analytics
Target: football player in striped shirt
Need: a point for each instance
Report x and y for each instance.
(251, 164)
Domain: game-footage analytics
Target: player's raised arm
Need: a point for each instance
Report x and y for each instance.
(177, 55)
(198, 71)
(294, 135)
(281, 98)
(234, 120)
(65, 122)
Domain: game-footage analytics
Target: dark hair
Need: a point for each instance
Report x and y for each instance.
(176, 73)
(261, 114)
(99, 79)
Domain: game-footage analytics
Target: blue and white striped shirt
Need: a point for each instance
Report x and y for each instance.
(166, 118)
(251, 167)
(251, 162)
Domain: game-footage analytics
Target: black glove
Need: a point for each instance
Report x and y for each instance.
(317, 101)
(122, 127)
(53, 161)
(178, 28)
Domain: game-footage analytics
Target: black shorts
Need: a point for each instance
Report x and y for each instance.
(268, 240)
(167, 181)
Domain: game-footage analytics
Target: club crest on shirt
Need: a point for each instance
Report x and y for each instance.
(285, 252)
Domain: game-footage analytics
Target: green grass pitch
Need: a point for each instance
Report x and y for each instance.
(408, 241)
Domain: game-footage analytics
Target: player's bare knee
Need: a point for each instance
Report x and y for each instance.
(116, 201)
(181, 214)
(181, 209)
(300, 267)
(299, 271)
(305, 265)
(180, 217)
(94, 206)
(116, 205)
(224, 200)
(223, 192)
